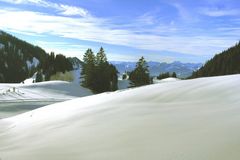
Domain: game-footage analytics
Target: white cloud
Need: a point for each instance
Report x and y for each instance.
(100, 30)
(70, 10)
(147, 18)
(216, 12)
(61, 8)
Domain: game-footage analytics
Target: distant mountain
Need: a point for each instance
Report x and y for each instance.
(76, 63)
(19, 60)
(183, 70)
(225, 63)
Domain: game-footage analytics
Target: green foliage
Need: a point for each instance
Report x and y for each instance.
(67, 76)
(54, 64)
(167, 75)
(1, 78)
(101, 58)
(39, 77)
(224, 63)
(15, 53)
(140, 75)
(88, 69)
(124, 76)
(174, 75)
(97, 73)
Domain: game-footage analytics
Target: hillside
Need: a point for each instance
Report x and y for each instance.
(20, 60)
(19, 98)
(225, 63)
(76, 63)
(191, 120)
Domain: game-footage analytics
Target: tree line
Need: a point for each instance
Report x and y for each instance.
(167, 75)
(225, 63)
(14, 55)
(101, 76)
(55, 63)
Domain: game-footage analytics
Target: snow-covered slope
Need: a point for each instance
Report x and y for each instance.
(183, 120)
(123, 84)
(170, 79)
(31, 79)
(33, 63)
(18, 98)
(52, 90)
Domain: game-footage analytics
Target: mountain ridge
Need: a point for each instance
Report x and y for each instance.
(183, 70)
(224, 63)
(20, 60)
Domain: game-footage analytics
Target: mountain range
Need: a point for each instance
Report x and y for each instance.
(19, 60)
(182, 70)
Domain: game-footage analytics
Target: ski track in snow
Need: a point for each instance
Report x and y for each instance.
(34, 94)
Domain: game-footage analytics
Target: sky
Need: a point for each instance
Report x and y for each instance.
(159, 30)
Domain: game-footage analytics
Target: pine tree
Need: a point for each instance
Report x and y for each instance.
(224, 63)
(113, 78)
(174, 75)
(88, 69)
(39, 76)
(97, 73)
(102, 72)
(101, 57)
(140, 75)
(20, 52)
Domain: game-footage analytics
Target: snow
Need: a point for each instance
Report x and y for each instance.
(76, 76)
(189, 119)
(9, 44)
(170, 79)
(1, 45)
(123, 84)
(31, 79)
(34, 63)
(19, 52)
(5, 64)
(36, 94)
(54, 90)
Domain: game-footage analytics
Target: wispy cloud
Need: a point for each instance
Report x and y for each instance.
(217, 12)
(61, 8)
(99, 30)
(147, 19)
(146, 32)
(70, 10)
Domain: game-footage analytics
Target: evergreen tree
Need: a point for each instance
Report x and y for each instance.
(102, 72)
(140, 75)
(2, 79)
(101, 57)
(113, 78)
(97, 73)
(174, 75)
(89, 69)
(167, 75)
(224, 63)
(39, 76)
(124, 76)
(15, 54)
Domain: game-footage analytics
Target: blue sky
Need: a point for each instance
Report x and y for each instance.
(159, 30)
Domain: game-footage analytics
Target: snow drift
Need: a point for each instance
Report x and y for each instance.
(191, 120)
(170, 79)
